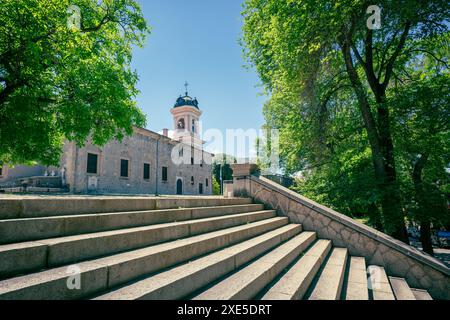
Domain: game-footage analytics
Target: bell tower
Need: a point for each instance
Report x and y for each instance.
(186, 116)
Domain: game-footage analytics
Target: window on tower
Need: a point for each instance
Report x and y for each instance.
(193, 126)
(181, 124)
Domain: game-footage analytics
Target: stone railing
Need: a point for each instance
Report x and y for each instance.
(419, 269)
(227, 188)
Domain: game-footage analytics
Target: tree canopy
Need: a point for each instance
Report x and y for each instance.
(344, 97)
(61, 80)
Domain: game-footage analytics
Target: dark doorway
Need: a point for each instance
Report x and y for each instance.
(200, 188)
(179, 186)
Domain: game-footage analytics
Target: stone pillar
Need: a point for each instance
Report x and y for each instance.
(241, 178)
(228, 188)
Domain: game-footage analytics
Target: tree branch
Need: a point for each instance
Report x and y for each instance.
(383, 55)
(431, 54)
(374, 83)
(358, 55)
(391, 61)
(104, 21)
(418, 167)
(368, 42)
(364, 105)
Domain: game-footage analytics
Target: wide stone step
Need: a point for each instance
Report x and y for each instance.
(294, 284)
(379, 287)
(17, 230)
(356, 287)
(179, 282)
(102, 274)
(421, 294)
(15, 258)
(249, 281)
(32, 207)
(401, 289)
(331, 278)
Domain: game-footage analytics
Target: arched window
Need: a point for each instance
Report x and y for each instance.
(180, 124)
(193, 126)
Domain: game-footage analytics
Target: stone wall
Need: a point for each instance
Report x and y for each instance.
(20, 171)
(142, 147)
(419, 269)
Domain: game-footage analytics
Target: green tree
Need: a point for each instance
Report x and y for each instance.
(319, 52)
(222, 162)
(66, 81)
(422, 131)
(216, 186)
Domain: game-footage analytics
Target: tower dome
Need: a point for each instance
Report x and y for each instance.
(186, 101)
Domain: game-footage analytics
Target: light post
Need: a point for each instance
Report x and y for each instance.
(221, 179)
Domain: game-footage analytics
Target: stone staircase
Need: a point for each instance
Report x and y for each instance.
(186, 248)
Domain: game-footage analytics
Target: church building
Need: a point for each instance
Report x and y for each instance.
(144, 163)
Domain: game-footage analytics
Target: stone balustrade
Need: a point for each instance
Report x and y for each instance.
(400, 260)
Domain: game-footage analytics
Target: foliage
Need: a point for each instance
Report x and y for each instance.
(60, 83)
(216, 186)
(422, 131)
(336, 90)
(223, 162)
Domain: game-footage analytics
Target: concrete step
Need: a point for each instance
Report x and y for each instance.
(64, 250)
(28, 229)
(102, 274)
(294, 284)
(401, 289)
(249, 281)
(356, 286)
(179, 282)
(421, 294)
(331, 278)
(33, 207)
(379, 287)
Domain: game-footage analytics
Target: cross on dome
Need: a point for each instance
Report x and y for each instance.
(186, 84)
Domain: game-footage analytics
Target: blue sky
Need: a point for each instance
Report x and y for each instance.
(197, 41)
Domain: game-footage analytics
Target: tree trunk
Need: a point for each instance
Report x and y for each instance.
(425, 237)
(391, 201)
(421, 198)
(375, 217)
(382, 154)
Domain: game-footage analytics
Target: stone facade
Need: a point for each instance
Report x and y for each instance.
(399, 259)
(144, 147)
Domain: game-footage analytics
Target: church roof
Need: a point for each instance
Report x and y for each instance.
(186, 101)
